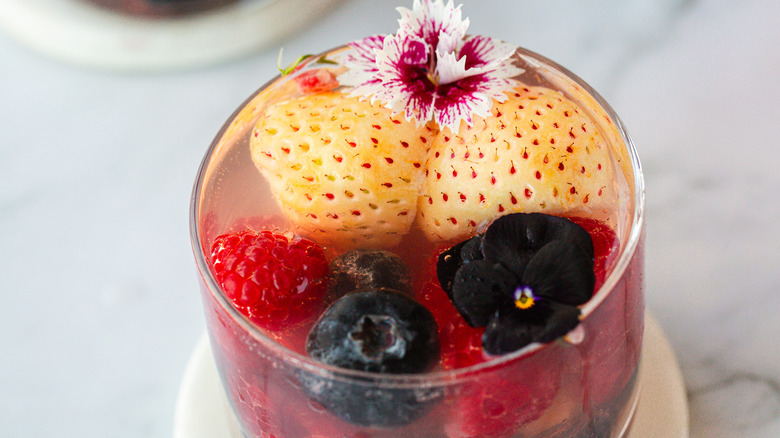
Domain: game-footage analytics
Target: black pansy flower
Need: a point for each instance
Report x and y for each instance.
(522, 279)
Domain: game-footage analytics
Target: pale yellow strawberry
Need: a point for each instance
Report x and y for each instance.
(538, 152)
(344, 171)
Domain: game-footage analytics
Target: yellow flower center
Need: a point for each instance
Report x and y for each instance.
(524, 298)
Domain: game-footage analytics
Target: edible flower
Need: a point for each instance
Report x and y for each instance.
(522, 279)
(430, 69)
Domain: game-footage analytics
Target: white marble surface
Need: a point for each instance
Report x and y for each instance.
(99, 308)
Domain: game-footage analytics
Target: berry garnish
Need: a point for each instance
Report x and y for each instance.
(276, 281)
(381, 331)
(316, 81)
(536, 152)
(503, 401)
(346, 173)
(361, 269)
(524, 282)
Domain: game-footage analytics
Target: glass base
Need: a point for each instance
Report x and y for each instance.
(659, 408)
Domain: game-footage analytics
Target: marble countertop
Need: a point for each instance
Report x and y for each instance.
(100, 308)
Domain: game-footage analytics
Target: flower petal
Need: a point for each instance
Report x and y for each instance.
(479, 72)
(449, 69)
(480, 288)
(493, 58)
(404, 85)
(514, 238)
(430, 70)
(364, 51)
(362, 70)
(440, 26)
(562, 272)
(511, 329)
(487, 53)
(451, 260)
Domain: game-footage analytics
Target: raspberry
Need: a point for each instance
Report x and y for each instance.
(316, 81)
(502, 402)
(275, 281)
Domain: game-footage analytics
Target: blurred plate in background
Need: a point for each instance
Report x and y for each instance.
(79, 32)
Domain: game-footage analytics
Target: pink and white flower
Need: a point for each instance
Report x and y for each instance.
(430, 69)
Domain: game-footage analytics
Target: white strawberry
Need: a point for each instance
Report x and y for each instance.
(538, 152)
(344, 171)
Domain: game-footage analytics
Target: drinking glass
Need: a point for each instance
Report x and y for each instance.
(583, 386)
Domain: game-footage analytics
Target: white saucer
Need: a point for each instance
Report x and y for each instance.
(83, 34)
(202, 411)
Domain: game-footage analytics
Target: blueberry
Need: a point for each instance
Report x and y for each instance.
(360, 269)
(363, 403)
(382, 331)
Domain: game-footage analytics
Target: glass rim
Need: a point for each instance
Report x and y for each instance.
(301, 361)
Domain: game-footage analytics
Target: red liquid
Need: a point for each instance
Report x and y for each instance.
(562, 389)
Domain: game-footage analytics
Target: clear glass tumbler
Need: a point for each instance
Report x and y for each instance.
(273, 388)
